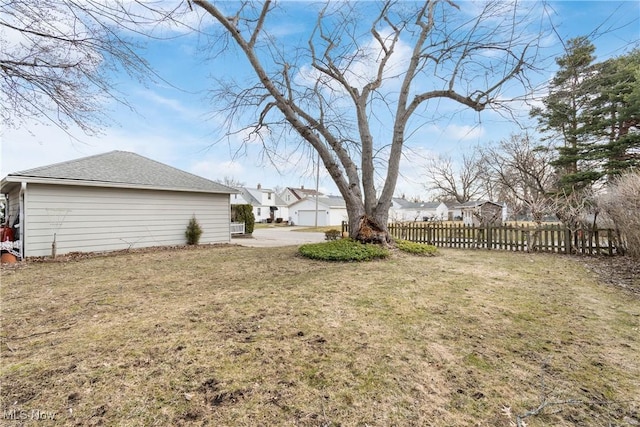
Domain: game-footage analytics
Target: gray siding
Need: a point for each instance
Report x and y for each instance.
(91, 219)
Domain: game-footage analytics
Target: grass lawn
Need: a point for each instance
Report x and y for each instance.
(233, 336)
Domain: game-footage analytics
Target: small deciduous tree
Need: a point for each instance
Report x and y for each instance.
(521, 169)
(230, 181)
(622, 204)
(459, 184)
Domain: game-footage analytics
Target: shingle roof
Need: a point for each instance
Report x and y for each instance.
(333, 201)
(328, 201)
(300, 193)
(475, 204)
(122, 169)
(405, 204)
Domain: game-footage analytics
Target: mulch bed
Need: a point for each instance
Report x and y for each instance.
(620, 271)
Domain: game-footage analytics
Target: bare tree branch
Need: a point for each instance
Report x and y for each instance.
(354, 71)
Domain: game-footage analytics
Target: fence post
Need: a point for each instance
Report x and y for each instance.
(567, 240)
(610, 241)
(489, 237)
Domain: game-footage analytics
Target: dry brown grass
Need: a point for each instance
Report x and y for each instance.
(235, 336)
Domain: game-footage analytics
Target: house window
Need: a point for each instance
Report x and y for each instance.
(258, 211)
(269, 196)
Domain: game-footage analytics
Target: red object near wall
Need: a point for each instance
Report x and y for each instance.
(6, 235)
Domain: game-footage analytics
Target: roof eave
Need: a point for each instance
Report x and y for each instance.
(104, 184)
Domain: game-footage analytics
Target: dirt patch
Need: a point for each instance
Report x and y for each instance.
(620, 271)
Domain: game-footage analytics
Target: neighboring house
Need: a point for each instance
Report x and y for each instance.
(454, 211)
(238, 199)
(111, 201)
(332, 210)
(404, 210)
(267, 205)
(482, 212)
(291, 195)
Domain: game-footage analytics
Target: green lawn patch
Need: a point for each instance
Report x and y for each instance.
(416, 248)
(343, 250)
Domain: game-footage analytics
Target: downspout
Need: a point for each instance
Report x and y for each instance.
(23, 191)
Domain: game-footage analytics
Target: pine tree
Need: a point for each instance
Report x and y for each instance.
(563, 116)
(614, 114)
(593, 111)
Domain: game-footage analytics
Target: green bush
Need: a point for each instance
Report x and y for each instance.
(343, 250)
(193, 232)
(244, 213)
(416, 248)
(332, 234)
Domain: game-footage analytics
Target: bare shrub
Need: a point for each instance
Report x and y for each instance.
(622, 205)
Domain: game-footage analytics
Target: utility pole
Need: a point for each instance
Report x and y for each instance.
(317, 184)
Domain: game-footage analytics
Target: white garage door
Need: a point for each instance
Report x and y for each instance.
(309, 218)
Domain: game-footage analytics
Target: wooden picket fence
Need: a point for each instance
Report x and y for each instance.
(553, 238)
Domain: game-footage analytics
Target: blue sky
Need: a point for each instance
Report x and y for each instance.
(172, 122)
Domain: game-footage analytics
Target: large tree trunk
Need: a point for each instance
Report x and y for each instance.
(371, 230)
(367, 227)
(314, 108)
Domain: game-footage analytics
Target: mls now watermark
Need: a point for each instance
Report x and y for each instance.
(32, 414)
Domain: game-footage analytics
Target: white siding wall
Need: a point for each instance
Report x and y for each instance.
(308, 217)
(337, 215)
(261, 213)
(88, 219)
(288, 197)
(442, 212)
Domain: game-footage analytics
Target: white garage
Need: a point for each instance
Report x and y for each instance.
(331, 211)
(117, 200)
(307, 217)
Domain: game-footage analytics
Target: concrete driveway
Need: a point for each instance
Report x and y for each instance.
(278, 236)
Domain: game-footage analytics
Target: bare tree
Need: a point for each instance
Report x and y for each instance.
(364, 81)
(461, 184)
(520, 169)
(58, 59)
(621, 203)
(230, 181)
(369, 66)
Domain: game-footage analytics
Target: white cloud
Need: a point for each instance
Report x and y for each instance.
(456, 132)
(35, 145)
(214, 170)
(465, 132)
(171, 104)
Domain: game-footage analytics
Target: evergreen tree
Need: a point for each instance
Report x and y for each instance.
(593, 111)
(563, 115)
(614, 114)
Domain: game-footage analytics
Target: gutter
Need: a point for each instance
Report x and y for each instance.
(21, 204)
(105, 184)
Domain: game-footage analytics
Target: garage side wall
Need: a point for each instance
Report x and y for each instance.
(337, 215)
(93, 219)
